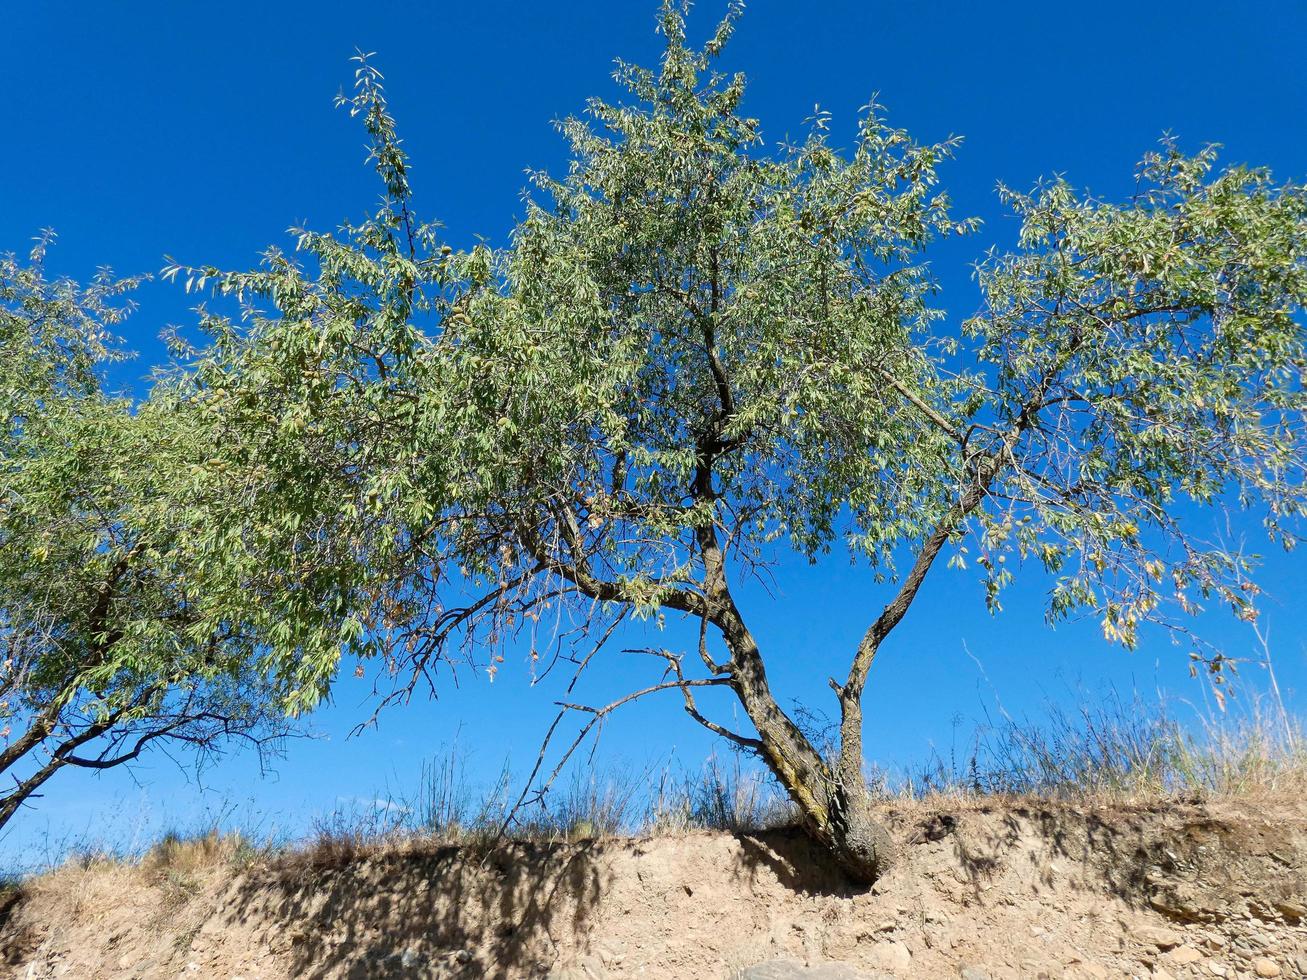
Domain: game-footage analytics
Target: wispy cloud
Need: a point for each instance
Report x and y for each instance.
(377, 804)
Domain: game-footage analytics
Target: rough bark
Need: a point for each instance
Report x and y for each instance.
(834, 802)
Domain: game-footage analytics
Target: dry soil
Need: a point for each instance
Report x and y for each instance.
(998, 890)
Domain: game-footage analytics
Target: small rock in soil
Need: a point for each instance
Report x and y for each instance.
(773, 970)
(892, 956)
(1183, 956)
(1158, 936)
(790, 970)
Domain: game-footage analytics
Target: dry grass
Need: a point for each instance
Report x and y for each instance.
(718, 797)
(178, 854)
(1122, 751)
(1117, 752)
(177, 865)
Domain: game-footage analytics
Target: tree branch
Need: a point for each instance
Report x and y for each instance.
(947, 427)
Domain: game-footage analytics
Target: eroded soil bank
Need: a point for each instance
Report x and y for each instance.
(1007, 890)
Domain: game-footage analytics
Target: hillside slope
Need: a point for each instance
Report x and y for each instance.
(984, 890)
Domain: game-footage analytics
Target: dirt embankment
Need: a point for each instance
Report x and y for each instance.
(999, 891)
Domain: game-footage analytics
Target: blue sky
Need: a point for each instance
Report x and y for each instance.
(204, 131)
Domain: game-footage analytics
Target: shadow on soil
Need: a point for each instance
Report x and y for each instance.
(445, 912)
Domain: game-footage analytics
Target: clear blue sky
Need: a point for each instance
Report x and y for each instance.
(203, 131)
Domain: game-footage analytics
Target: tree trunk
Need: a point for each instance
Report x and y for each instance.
(834, 803)
(862, 845)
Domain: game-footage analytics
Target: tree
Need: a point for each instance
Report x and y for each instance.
(696, 353)
(105, 646)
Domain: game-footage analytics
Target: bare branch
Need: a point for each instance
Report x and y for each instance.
(597, 716)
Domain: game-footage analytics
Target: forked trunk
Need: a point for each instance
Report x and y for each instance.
(832, 800)
(837, 813)
(834, 803)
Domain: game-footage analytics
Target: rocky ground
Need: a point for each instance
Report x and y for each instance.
(1014, 890)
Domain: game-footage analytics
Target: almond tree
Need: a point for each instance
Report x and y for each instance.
(698, 354)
